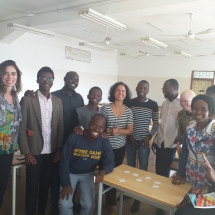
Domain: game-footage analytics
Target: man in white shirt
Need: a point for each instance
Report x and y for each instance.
(40, 140)
(164, 141)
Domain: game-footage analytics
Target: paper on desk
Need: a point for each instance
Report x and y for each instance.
(148, 177)
(17, 153)
(157, 182)
(122, 180)
(127, 171)
(139, 180)
(155, 186)
(135, 174)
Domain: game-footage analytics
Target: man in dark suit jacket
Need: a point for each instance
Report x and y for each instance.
(40, 140)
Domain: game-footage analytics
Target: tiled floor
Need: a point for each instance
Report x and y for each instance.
(6, 208)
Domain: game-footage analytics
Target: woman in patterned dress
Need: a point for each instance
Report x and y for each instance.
(10, 116)
(199, 140)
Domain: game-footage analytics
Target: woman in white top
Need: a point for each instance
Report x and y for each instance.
(119, 124)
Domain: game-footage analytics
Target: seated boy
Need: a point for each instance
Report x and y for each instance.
(80, 156)
(81, 119)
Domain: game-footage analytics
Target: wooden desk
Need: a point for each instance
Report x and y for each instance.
(166, 197)
(15, 165)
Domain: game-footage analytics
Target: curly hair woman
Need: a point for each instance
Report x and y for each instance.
(119, 124)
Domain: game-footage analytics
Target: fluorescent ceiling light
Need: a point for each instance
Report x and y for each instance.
(102, 19)
(28, 29)
(152, 42)
(92, 46)
(184, 54)
(128, 55)
(31, 14)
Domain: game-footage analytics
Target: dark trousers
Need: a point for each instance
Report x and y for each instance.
(55, 184)
(118, 158)
(38, 179)
(5, 166)
(164, 159)
(190, 210)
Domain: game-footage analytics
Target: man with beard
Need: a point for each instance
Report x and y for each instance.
(70, 100)
(164, 143)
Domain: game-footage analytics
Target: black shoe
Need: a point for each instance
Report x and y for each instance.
(54, 209)
(77, 208)
(135, 207)
(160, 212)
(124, 198)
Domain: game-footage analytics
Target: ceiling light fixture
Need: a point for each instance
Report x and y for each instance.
(128, 55)
(92, 46)
(102, 19)
(184, 54)
(152, 42)
(30, 14)
(28, 29)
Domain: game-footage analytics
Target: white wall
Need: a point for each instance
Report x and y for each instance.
(31, 52)
(158, 69)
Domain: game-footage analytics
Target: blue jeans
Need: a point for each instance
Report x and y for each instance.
(143, 154)
(87, 198)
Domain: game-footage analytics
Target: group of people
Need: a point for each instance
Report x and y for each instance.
(64, 141)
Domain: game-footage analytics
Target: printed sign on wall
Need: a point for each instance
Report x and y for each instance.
(77, 54)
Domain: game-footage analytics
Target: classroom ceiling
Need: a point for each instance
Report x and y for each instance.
(62, 17)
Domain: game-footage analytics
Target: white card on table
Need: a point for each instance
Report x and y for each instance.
(155, 186)
(127, 171)
(135, 174)
(148, 177)
(122, 180)
(157, 182)
(139, 180)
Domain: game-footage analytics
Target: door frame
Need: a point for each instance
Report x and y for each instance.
(202, 79)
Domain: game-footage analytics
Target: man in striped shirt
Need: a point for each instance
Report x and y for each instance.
(144, 110)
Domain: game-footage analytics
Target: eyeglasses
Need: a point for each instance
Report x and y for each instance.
(46, 79)
(165, 88)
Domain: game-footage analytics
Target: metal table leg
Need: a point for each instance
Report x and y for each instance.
(99, 212)
(172, 211)
(13, 190)
(121, 202)
(14, 168)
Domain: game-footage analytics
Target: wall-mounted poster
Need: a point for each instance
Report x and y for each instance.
(77, 54)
